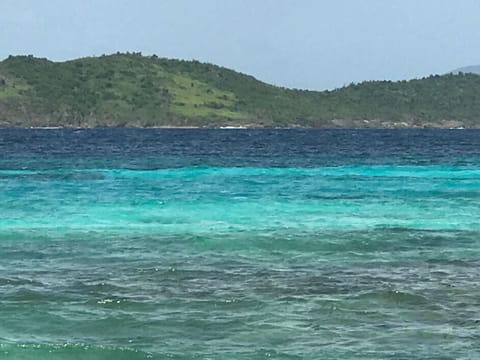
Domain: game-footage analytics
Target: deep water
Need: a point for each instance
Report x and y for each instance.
(239, 244)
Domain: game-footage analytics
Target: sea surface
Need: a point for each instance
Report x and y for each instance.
(239, 244)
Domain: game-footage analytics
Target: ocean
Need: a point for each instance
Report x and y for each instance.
(239, 244)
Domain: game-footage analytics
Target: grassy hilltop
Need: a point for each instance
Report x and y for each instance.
(134, 90)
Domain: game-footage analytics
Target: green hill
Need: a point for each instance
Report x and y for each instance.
(134, 90)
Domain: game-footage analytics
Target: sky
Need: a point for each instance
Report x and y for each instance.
(310, 44)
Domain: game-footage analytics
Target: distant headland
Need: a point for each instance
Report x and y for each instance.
(128, 89)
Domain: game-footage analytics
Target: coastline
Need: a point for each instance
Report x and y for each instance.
(329, 124)
(249, 127)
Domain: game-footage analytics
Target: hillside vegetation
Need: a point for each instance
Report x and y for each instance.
(134, 90)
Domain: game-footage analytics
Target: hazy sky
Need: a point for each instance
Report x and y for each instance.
(312, 44)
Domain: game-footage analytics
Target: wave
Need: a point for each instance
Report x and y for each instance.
(69, 351)
(403, 171)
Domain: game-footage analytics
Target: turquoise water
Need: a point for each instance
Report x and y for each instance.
(196, 244)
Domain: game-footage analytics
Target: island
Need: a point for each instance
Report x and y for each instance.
(132, 90)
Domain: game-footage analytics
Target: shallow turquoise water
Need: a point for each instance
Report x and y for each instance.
(157, 247)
